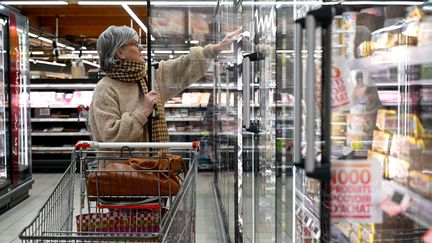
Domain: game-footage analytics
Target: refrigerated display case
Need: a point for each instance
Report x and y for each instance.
(15, 146)
(362, 129)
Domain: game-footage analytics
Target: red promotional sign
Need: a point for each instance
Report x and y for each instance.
(355, 191)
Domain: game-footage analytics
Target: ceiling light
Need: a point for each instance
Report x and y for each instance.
(70, 48)
(91, 63)
(36, 52)
(34, 2)
(137, 20)
(382, 3)
(181, 52)
(45, 39)
(49, 63)
(143, 3)
(61, 45)
(162, 52)
(33, 35)
(84, 52)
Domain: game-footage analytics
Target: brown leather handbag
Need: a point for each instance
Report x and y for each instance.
(134, 179)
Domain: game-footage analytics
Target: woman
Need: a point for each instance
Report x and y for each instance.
(122, 102)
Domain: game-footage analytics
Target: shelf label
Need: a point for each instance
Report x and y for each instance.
(356, 191)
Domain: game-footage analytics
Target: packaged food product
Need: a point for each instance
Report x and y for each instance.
(365, 49)
(381, 141)
(386, 120)
(426, 160)
(425, 32)
(339, 116)
(338, 129)
(361, 125)
(426, 71)
(398, 169)
(409, 149)
(421, 182)
(381, 158)
(386, 37)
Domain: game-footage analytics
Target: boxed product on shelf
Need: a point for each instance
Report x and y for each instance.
(380, 158)
(381, 141)
(389, 96)
(426, 160)
(409, 149)
(425, 32)
(421, 182)
(398, 169)
(386, 120)
(360, 124)
(42, 112)
(426, 95)
(339, 116)
(338, 129)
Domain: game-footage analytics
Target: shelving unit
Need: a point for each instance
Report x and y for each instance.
(53, 148)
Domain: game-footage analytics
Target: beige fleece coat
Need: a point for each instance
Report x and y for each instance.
(116, 111)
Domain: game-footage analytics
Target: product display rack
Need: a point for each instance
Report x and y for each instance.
(52, 149)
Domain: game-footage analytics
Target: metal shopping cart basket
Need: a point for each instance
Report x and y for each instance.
(115, 203)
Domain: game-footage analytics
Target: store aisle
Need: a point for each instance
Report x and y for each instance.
(15, 219)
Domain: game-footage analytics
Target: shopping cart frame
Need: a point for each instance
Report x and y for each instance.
(55, 220)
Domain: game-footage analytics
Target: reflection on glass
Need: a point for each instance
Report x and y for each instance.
(4, 177)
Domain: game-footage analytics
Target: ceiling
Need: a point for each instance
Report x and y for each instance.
(77, 25)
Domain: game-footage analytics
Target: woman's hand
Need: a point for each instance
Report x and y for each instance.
(227, 41)
(150, 100)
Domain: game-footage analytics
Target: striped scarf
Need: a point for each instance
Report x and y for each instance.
(130, 71)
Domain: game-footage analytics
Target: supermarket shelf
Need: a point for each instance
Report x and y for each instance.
(420, 210)
(62, 86)
(55, 106)
(338, 123)
(274, 105)
(308, 205)
(409, 83)
(201, 86)
(185, 106)
(413, 54)
(58, 119)
(52, 150)
(198, 118)
(338, 137)
(187, 133)
(60, 134)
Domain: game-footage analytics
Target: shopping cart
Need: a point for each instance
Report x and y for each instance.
(129, 210)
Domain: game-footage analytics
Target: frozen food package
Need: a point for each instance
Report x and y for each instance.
(386, 120)
(421, 182)
(409, 149)
(365, 49)
(381, 141)
(338, 129)
(339, 116)
(380, 158)
(426, 160)
(385, 38)
(398, 169)
(360, 124)
(425, 32)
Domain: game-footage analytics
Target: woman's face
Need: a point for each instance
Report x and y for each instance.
(131, 51)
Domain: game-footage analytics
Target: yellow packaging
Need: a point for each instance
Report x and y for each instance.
(421, 182)
(381, 158)
(386, 120)
(339, 116)
(381, 141)
(365, 49)
(398, 170)
(338, 129)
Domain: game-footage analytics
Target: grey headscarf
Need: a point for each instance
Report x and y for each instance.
(110, 41)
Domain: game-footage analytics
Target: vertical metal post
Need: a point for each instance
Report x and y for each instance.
(298, 86)
(326, 41)
(310, 95)
(149, 67)
(246, 92)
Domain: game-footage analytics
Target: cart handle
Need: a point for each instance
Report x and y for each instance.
(119, 145)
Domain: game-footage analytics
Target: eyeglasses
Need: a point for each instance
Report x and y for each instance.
(139, 46)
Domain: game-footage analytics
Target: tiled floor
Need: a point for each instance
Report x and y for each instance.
(15, 219)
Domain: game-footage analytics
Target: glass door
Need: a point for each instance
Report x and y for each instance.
(367, 138)
(5, 178)
(259, 112)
